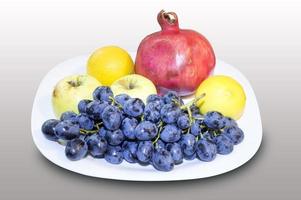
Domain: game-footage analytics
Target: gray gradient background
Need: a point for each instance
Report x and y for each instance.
(260, 38)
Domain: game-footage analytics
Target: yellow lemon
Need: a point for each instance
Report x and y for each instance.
(109, 63)
(223, 94)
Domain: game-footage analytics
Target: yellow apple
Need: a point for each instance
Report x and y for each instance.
(136, 86)
(223, 94)
(70, 90)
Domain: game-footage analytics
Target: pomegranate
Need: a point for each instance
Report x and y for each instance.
(173, 58)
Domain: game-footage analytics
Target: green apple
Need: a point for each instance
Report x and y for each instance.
(136, 86)
(70, 90)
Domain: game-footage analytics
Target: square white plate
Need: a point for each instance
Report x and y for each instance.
(42, 110)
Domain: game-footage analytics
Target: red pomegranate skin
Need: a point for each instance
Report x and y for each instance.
(174, 59)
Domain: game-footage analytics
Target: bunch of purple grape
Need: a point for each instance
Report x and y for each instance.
(161, 133)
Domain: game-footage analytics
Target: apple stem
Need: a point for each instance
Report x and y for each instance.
(75, 83)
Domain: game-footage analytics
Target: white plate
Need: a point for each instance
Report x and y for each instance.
(42, 110)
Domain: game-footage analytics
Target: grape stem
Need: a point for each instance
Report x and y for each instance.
(114, 102)
(176, 102)
(189, 104)
(199, 118)
(158, 135)
(214, 133)
(196, 99)
(160, 124)
(189, 115)
(83, 131)
(97, 125)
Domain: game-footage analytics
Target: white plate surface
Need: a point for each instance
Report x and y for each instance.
(42, 110)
